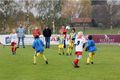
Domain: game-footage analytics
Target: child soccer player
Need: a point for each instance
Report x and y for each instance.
(39, 49)
(61, 44)
(79, 42)
(71, 43)
(13, 37)
(91, 48)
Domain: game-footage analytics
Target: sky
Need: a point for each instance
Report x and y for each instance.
(34, 11)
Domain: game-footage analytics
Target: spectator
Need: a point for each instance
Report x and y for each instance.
(21, 35)
(47, 35)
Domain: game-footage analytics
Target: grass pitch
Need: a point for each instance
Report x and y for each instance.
(20, 67)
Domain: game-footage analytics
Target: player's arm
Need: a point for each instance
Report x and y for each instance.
(42, 43)
(33, 45)
(87, 46)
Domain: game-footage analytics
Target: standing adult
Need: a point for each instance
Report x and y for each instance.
(47, 34)
(21, 35)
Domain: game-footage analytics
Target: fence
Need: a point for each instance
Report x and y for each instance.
(99, 39)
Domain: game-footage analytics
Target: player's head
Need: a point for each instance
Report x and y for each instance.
(36, 27)
(80, 34)
(60, 31)
(73, 30)
(90, 37)
(13, 31)
(63, 27)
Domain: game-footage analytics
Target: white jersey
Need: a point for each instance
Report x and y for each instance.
(79, 44)
(13, 37)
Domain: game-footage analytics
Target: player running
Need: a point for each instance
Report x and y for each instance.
(13, 37)
(80, 43)
(90, 48)
(39, 48)
(71, 43)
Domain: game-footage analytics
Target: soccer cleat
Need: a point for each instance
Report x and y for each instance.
(70, 54)
(59, 53)
(34, 63)
(77, 66)
(67, 54)
(91, 62)
(46, 62)
(87, 63)
(13, 53)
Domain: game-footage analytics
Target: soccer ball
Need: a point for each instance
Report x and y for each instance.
(68, 27)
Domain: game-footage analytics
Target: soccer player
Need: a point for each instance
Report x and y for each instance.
(13, 37)
(39, 49)
(79, 42)
(91, 48)
(71, 43)
(61, 44)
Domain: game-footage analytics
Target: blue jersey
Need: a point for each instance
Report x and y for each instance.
(38, 45)
(91, 46)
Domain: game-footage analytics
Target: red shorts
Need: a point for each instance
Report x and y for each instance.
(13, 43)
(78, 53)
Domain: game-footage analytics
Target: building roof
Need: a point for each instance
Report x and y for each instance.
(81, 20)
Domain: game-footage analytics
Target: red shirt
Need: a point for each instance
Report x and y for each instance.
(36, 32)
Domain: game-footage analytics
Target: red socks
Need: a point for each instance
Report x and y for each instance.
(76, 61)
(13, 49)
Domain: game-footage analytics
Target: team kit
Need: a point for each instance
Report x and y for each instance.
(78, 42)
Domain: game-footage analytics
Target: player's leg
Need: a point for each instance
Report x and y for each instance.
(68, 50)
(12, 48)
(71, 49)
(59, 49)
(89, 58)
(75, 62)
(92, 57)
(62, 49)
(44, 57)
(34, 58)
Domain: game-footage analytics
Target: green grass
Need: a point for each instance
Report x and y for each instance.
(20, 67)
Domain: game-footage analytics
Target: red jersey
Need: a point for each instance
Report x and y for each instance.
(36, 32)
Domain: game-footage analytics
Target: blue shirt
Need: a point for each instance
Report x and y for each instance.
(38, 45)
(91, 46)
(21, 32)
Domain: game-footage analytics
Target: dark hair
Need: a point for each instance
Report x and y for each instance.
(90, 37)
(36, 37)
(73, 29)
